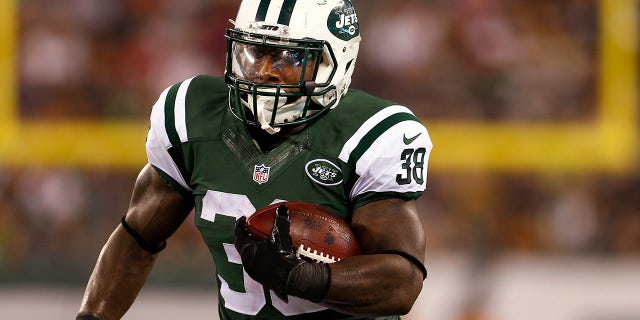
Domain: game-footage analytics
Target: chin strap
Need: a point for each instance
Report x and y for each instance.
(411, 259)
(285, 112)
(269, 129)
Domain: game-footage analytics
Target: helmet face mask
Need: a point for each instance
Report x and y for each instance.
(289, 62)
(285, 75)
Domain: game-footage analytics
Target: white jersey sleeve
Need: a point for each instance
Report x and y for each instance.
(390, 152)
(164, 135)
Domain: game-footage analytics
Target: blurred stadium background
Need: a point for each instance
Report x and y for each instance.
(533, 205)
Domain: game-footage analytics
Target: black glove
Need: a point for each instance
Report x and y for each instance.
(274, 262)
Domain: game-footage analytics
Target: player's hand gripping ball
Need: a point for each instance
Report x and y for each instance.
(318, 234)
(280, 244)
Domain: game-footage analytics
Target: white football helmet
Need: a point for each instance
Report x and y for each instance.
(289, 61)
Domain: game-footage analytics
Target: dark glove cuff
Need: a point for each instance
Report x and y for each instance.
(309, 281)
(86, 316)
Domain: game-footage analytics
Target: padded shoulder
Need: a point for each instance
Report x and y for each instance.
(186, 111)
(191, 109)
(357, 112)
(206, 103)
(384, 143)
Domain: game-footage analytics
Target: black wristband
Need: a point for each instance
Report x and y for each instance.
(411, 259)
(141, 242)
(309, 281)
(87, 316)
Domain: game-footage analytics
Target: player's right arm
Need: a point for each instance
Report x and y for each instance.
(155, 212)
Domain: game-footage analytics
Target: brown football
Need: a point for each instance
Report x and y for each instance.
(318, 234)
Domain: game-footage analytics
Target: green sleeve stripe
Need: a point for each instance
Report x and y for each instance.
(170, 115)
(371, 136)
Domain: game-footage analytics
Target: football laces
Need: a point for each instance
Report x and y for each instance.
(315, 256)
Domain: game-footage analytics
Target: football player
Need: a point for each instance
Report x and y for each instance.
(281, 125)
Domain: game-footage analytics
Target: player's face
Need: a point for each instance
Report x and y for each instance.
(270, 65)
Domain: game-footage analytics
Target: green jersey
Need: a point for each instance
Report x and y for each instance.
(364, 150)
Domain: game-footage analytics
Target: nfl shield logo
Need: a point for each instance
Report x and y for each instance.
(261, 173)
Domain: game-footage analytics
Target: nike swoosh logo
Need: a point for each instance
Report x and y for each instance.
(409, 140)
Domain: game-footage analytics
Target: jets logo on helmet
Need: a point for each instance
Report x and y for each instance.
(317, 43)
(343, 22)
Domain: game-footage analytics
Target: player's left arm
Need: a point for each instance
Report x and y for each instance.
(381, 281)
(387, 278)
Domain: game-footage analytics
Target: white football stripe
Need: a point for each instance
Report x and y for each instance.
(157, 119)
(180, 110)
(315, 255)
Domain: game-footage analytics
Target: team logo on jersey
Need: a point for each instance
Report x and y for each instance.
(261, 173)
(343, 21)
(324, 172)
